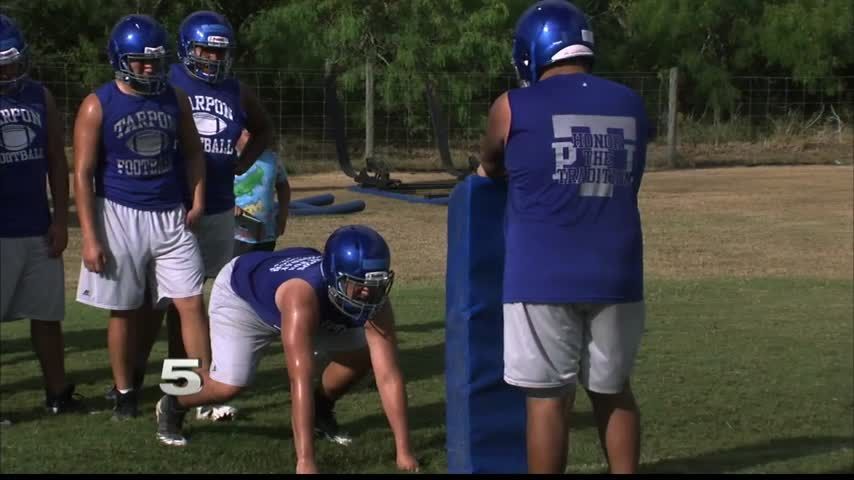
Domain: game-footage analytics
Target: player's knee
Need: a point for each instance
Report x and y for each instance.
(358, 360)
(619, 396)
(219, 391)
(227, 392)
(189, 306)
(563, 392)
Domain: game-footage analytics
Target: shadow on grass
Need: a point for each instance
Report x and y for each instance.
(100, 378)
(75, 341)
(746, 456)
(420, 327)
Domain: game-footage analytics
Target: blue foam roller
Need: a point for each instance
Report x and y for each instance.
(400, 196)
(485, 416)
(316, 200)
(352, 206)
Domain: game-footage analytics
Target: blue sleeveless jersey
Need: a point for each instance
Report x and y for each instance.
(220, 120)
(257, 275)
(575, 156)
(138, 166)
(24, 210)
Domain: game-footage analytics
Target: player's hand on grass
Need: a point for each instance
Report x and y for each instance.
(94, 256)
(57, 239)
(193, 217)
(407, 462)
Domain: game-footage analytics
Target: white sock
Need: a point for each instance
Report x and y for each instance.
(124, 390)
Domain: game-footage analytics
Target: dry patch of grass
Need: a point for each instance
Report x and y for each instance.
(741, 222)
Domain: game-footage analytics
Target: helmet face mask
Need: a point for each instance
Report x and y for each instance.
(132, 69)
(200, 35)
(361, 298)
(212, 70)
(520, 66)
(139, 38)
(14, 56)
(357, 269)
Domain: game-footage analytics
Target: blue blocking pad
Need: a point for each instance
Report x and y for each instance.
(485, 416)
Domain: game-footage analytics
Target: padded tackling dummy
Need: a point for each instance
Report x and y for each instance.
(485, 416)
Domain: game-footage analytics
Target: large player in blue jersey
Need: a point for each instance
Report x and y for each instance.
(335, 302)
(32, 239)
(222, 106)
(572, 147)
(135, 227)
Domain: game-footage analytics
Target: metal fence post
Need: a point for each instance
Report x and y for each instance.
(671, 118)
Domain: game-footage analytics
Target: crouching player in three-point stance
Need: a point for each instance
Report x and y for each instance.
(136, 230)
(573, 148)
(336, 302)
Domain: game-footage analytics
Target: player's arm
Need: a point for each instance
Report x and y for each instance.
(283, 195)
(259, 127)
(57, 177)
(87, 136)
(300, 311)
(194, 157)
(382, 342)
(493, 142)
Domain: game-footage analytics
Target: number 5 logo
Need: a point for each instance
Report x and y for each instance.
(170, 372)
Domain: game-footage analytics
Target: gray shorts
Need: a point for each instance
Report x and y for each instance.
(555, 346)
(216, 241)
(32, 284)
(239, 336)
(144, 249)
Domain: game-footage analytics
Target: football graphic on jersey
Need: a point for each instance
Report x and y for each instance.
(148, 143)
(16, 137)
(208, 124)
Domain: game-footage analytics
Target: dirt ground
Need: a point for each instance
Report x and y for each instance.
(731, 222)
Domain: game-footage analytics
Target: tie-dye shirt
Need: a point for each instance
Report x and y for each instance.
(255, 193)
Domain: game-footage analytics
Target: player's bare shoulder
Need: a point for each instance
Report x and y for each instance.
(90, 106)
(296, 293)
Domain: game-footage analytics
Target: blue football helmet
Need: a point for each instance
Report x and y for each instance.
(357, 269)
(139, 38)
(14, 55)
(210, 30)
(549, 31)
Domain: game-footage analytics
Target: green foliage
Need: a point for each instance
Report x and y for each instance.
(408, 43)
(809, 39)
(712, 41)
(411, 41)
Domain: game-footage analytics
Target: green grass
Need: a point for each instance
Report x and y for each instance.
(734, 376)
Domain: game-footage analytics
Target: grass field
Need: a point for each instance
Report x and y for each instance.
(747, 364)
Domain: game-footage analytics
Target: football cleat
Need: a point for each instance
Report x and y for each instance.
(216, 413)
(66, 401)
(170, 420)
(325, 424)
(127, 406)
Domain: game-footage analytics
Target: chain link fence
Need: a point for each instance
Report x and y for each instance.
(295, 101)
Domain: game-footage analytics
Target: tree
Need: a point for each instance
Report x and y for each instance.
(810, 39)
(408, 41)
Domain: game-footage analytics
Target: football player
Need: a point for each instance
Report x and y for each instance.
(222, 106)
(32, 238)
(335, 302)
(130, 199)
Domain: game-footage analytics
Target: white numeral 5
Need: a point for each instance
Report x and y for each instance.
(194, 380)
